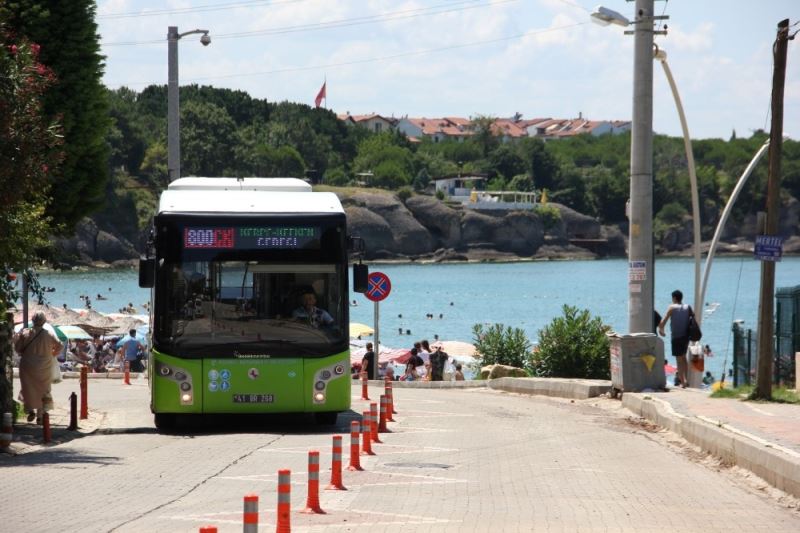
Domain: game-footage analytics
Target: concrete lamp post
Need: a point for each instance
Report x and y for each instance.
(173, 99)
(640, 244)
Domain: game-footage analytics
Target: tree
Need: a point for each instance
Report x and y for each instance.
(484, 137)
(390, 164)
(502, 345)
(540, 163)
(573, 346)
(29, 151)
(69, 43)
(505, 161)
(207, 136)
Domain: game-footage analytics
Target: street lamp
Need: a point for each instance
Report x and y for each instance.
(661, 55)
(640, 242)
(173, 99)
(604, 16)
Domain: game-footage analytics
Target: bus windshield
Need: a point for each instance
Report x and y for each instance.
(250, 308)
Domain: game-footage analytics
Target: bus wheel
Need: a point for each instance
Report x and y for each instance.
(326, 419)
(164, 421)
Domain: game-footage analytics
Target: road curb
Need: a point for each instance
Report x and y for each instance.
(471, 384)
(778, 466)
(577, 389)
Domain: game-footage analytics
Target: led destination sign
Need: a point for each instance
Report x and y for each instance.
(252, 238)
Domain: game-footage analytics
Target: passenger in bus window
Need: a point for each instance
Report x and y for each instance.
(309, 312)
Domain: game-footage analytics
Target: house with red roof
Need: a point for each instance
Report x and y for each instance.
(437, 129)
(373, 122)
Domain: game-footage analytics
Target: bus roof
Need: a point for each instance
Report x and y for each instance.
(246, 195)
(240, 184)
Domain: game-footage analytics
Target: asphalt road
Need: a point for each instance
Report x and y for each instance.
(457, 460)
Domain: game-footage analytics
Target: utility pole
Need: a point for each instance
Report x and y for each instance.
(173, 107)
(640, 248)
(766, 297)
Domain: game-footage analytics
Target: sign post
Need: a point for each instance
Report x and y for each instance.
(378, 288)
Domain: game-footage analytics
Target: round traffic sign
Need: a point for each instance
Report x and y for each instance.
(378, 286)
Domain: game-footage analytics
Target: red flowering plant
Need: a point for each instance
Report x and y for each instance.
(30, 147)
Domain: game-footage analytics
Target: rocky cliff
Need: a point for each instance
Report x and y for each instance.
(425, 228)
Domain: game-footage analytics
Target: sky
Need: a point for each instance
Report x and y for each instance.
(435, 58)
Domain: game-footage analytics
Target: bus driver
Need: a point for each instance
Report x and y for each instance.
(309, 312)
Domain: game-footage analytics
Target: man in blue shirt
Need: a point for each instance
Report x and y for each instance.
(132, 348)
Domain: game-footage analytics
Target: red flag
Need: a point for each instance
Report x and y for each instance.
(320, 95)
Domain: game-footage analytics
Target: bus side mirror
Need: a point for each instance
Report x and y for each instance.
(360, 275)
(147, 272)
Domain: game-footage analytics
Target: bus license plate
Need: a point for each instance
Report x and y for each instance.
(253, 398)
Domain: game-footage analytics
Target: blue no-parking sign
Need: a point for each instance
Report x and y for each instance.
(378, 286)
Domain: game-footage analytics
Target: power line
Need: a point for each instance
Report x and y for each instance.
(356, 21)
(196, 9)
(376, 59)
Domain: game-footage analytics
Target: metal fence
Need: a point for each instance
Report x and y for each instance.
(745, 355)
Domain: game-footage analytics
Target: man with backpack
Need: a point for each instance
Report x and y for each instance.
(678, 315)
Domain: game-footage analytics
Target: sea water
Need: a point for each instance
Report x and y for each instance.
(521, 295)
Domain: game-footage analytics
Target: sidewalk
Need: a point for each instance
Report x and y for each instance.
(29, 436)
(761, 437)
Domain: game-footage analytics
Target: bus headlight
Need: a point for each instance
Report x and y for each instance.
(319, 397)
(319, 385)
(186, 398)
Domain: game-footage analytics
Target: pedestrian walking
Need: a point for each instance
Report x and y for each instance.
(678, 317)
(38, 348)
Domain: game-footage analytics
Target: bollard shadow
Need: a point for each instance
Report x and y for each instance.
(284, 424)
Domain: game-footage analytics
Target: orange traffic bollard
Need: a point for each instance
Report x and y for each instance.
(390, 395)
(366, 438)
(284, 524)
(373, 423)
(84, 393)
(336, 464)
(312, 500)
(364, 383)
(127, 380)
(355, 461)
(250, 514)
(382, 423)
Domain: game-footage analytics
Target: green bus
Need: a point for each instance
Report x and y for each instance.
(250, 304)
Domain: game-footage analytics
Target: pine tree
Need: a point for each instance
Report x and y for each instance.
(67, 34)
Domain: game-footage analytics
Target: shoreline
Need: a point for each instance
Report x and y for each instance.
(489, 257)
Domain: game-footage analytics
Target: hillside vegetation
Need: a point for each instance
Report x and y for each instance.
(226, 132)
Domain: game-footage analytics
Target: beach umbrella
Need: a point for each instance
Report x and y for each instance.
(62, 332)
(360, 330)
(458, 349)
(72, 333)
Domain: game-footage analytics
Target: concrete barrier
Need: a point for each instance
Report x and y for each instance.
(778, 466)
(578, 389)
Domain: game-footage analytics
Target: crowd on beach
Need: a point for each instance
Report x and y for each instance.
(424, 362)
(99, 354)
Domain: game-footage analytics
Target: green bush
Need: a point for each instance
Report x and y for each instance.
(502, 345)
(573, 346)
(440, 194)
(404, 193)
(548, 214)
